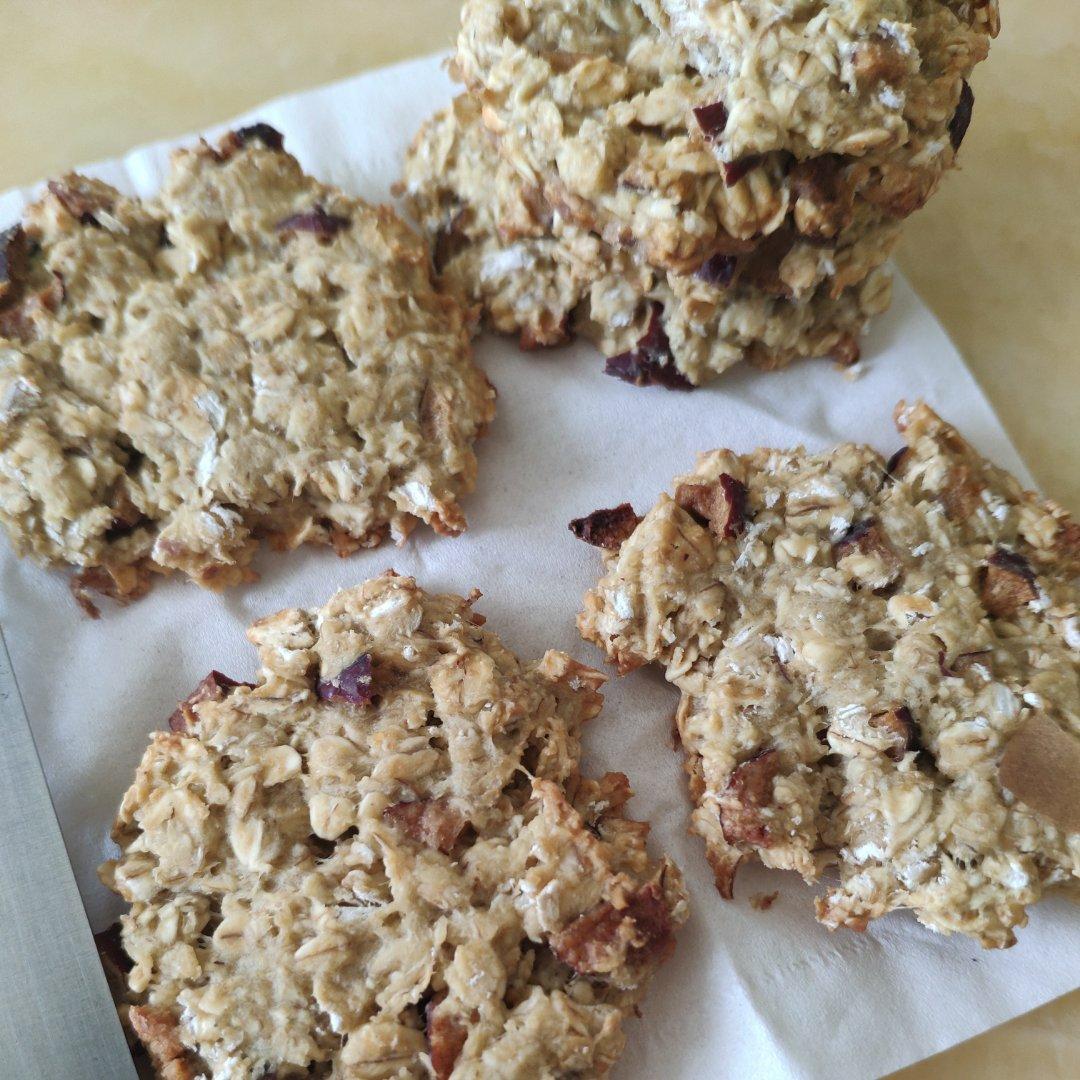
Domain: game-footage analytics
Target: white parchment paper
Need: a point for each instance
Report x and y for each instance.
(748, 994)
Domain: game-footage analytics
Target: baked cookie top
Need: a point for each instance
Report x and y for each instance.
(381, 860)
(611, 120)
(543, 278)
(830, 76)
(251, 353)
(880, 671)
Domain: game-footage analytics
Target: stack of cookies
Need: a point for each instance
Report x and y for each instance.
(691, 183)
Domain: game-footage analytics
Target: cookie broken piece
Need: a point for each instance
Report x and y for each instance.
(537, 275)
(250, 354)
(871, 685)
(422, 876)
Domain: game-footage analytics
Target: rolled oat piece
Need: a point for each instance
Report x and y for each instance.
(537, 275)
(611, 120)
(381, 859)
(879, 666)
(249, 354)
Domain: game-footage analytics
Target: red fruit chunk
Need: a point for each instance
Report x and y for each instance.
(352, 684)
(712, 119)
(718, 270)
(325, 226)
(961, 119)
(435, 823)
(606, 528)
(649, 363)
(748, 792)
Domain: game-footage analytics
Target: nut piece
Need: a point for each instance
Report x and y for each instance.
(865, 552)
(720, 505)
(607, 937)
(214, 687)
(436, 823)
(1041, 767)
(902, 730)
(749, 790)
(446, 1035)
(269, 136)
(352, 684)
(878, 61)
(1008, 584)
(606, 528)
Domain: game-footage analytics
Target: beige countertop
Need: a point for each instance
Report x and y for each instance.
(996, 254)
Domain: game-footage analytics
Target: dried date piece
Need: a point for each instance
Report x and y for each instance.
(317, 221)
(718, 269)
(606, 528)
(961, 119)
(214, 687)
(81, 202)
(748, 792)
(159, 1031)
(650, 362)
(13, 257)
(712, 119)
(446, 1035)
(602, 940)
(901, 728)
(734, 171)
(869, 556)
(1008, 584)
(436, 823)
(352, 684)
(720, 505)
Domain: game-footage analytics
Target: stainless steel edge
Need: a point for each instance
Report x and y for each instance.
(57, 1019)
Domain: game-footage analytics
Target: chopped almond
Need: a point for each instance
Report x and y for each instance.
(865, 551)
(158, 1031)
(214, 687)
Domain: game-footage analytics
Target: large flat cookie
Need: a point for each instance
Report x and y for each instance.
(611, 120)
(250, 354)
(381, 860)
(541, 277)
(879, 666)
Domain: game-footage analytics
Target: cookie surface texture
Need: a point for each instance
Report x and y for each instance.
(249, 354)
(381, 860)
(879, 672)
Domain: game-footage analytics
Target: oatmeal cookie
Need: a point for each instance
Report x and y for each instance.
(879, 666)
(611, 121)
(541, 277)
(821, 76)
(249, 354)
(381, 860)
